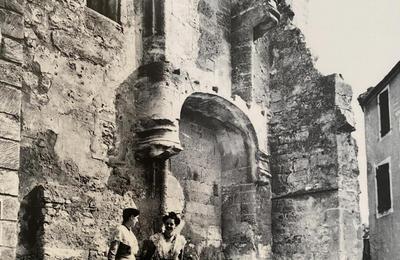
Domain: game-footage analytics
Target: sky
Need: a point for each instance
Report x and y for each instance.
(359, 39)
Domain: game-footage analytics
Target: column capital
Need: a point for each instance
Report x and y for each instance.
(157, 139)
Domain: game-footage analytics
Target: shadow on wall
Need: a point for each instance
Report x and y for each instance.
(31, 220)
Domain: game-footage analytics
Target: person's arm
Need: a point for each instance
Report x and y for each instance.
(113, 250)
(181, 254)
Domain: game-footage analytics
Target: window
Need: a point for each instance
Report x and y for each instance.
(108, 8)
(383, 189)
(384, 112)
(153, 17)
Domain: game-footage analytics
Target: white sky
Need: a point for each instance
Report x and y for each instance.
(359, 39)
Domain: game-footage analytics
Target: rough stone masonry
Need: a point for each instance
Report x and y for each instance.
(210, 108)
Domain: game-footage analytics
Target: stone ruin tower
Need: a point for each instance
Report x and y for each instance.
(211, 108)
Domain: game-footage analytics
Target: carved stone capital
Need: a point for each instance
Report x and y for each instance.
(157, 139)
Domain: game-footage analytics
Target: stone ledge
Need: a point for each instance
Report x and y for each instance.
(301, 193)
(65, 253)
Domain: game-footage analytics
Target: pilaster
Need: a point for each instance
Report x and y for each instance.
(11, 58)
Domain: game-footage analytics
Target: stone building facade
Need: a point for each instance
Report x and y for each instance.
(381, 106)
(210, 108)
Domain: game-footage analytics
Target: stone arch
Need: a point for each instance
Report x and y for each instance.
(218, 171)
(225, 114)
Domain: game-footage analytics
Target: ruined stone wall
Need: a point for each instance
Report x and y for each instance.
(99, 107)
(315, 211)
(11, 59)
(383, 229)
(74, 129)
(198, 40)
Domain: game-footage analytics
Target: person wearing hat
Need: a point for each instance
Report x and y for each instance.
(124, 245)
(167, 245)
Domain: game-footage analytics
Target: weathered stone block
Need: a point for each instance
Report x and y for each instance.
(9, 235)
(82, 46)
(301, 164)
(12, 50)
(248, 209)
(10, 178)
(99, 25)
(10, 73)
(248, 187)
(248, 197)
(10, 100)
(9, 127)
(199, 217)
(198, 186)
(12, 24)
(200, 197)
(9, 157)
(65, 253)
(10, 207)
(7, 253)
(13, 5)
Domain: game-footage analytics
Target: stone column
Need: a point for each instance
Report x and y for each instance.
(11, 58)
(264, 207)
(157, 109)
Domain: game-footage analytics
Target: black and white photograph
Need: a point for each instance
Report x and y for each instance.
(199, 130)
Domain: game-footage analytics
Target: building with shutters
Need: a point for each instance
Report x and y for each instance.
(381, 106)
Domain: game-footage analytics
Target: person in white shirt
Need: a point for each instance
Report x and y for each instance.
(167, 245)
(124, 245)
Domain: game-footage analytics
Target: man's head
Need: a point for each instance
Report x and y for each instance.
(130, 216)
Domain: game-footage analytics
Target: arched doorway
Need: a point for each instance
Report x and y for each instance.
(217, 171)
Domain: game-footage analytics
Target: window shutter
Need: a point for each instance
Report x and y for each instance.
(384, 112)
(383, 188)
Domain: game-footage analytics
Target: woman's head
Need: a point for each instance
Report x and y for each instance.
(130, 216)
(171, 220)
